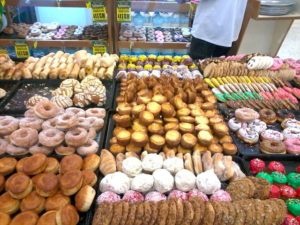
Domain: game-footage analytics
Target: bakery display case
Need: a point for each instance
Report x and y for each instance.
(48, 26)
(156, 27)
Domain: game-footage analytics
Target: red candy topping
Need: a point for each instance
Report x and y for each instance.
(274, 192)
(276, 167)
(257, 165)
(108, 197)
(287, 191)
(178, 195)
(298, 169)
(298, 219)
(298, 192)
(133, 196)
(290, 220)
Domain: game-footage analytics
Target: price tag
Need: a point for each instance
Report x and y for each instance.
(3, 51)
(3, 3)
(22, 50)
(99, 47)
(35, 44)
(124, 11)
(99, 14)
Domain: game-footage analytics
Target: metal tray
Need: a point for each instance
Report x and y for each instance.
(10, 86)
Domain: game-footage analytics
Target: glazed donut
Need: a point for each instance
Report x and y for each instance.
(30, 113)
(89, 147)
(268, 116)
(77, 111)
(246, 115)
(272, 135)
(272, 147)
(8, 124)
(92, 133)
(293, 146)
(76, 137)
(24, 137)
(46, 109)
(51, 123)
(234, 124)
(247, 135)
(3, 146)
(258, 126)
(291, 133)
(14, 150)
(284, 114)
(64, 150)
(38, 148)
(31, 122)
(66, 121)
(290, 123)
(93, 122)
(51, 137)
(96, 112)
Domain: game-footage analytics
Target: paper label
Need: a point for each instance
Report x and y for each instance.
(22, 50)
(99, 47)
(99, 14)
(124, 11)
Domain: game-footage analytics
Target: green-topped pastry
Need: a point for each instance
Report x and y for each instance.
(279, 178)
(265, 176)
(294, 180)
(293, 206)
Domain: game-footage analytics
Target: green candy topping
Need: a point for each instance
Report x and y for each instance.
(294, 180)
(228, 96)
(279, 178)
(265, 176)
(220, 97)
(293, 206)
(249, 94)
(236, 96)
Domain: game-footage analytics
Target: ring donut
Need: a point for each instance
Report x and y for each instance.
(24, 137)
(90, 147)
(76, 137)
(51, 137)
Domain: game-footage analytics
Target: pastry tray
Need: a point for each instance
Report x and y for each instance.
(10, 86)
(29, 88)
(289, 164)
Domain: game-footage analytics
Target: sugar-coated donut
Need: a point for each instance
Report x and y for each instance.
(15, 150)
(46, 109)
(30, 113)
(51, 137)
(76, 137)
(8, 124)
(77, 111)
(38, 148)
(64, 150)
(96, 112)
(66, 121)
(50, 123)
(89, 147)
(3, 146)
(272, 147)
(24, 137)
(31, 122)
(246, 114)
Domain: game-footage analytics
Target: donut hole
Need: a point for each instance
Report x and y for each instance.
(274, 144)
(66, 117)
(5, 123)
(47, 107)
(76, 133)
(23, 134)
(50, 134)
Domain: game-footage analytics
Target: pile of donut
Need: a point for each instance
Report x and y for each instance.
(251, 126)
(47, 128)
(43, 190)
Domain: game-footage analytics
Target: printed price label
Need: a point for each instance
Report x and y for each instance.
(3, 3)
(99, 49)
(22, 50)
(99, 14)
(123, 14)
(3, 52)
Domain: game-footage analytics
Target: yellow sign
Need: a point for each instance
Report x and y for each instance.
(89, 5)
(123, 14)
(99, 14)
(35, 44)
(3, 52)
(3, 2)
(22, 50)
(99, 49)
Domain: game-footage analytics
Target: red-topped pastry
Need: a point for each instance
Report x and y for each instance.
(133, 196)
(178, 195)
(290, 220)
(257, 165)
(298, 192)
(298, 219)
(298, 169)
(275, 192)
(287, 192)
(275, 166)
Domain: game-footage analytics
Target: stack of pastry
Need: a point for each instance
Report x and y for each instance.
(42, 190)
(168, 114)
(89, 91)
(7, 66)
(47, 128)
(62, 65)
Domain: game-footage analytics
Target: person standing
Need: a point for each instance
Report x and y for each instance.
(216, 26)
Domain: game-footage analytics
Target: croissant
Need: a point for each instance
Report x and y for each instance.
(119, 159)
(197, 162)
(107, 163)
(188, 163)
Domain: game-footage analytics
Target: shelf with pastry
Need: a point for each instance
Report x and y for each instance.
(49, 3)
(145, 44)
(164, 6)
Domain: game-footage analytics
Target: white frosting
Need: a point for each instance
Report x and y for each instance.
(185, 180)
(163, 180)
(152, 162)
(208, 182)
(117, 182)
(234, 124)
(173, 165)
(142, 183)
(132, 166)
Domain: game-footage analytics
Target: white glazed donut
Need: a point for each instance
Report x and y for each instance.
(234, 124)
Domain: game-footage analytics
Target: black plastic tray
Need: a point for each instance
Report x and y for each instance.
(10, 86)
(29, 88)
(289, 163)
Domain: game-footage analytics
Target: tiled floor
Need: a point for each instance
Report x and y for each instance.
(291, 45)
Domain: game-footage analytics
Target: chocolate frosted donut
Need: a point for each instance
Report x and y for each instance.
(51, 137)
(24, 137)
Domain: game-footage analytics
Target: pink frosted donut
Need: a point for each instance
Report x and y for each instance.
(30, 113)
(272, 135)
(14, 150)
(3, 146)
(109, 197)
(64, 150)
(277, 64)
(8, 124)
(76, 137)
(197, 193)
(89, 147)
(155, 196)
(66, 121)
(133, 196)
(246, 115)
(38, 148)
(94, 122)
(77, 111)
(24, 137)
(178, 195)
(220, 196)
(31, 122)
(51, 123)
(96, 112)
(51, 137)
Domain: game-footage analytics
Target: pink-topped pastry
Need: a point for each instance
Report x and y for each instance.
(133, 196)
(290, 220)
(235, 57)
(155, 196)
(272, 135)
(274, 192)
(275, 166)
(109, 197)
(296, 92)
(257, 165)
(293, 146)
(277, 64)
(197, 193)
(178, 195)
(221, 196)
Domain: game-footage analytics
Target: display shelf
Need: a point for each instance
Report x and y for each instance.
(147, 45)
(160, 6)
(49, 3)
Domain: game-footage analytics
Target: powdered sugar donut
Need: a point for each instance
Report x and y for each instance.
(185, 180)
(142, 183)
(155, 196)
(197, 193)
(133, 196)
(221, 196)
(208, 182)
(117, 182)
(132, 166)
(152, 162)
(173, 165)
(163, 180)
(178, 195)
(109, 197)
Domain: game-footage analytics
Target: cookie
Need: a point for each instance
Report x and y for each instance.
(225, 212)
(259, 211)
(171, 219)
(180, 212)
(131, 214)
(139, 215)
(262, 188)
(117, 213)
(269, 217)
(209, 214)
(282, 210)
(147, 213)
(218, 213)
(231, 213)
(188, 212)
(240, 214)
(125, 213)
(249, 210)
(197, 210)
(241, 189)
(163, 212)
(103, 214)
(154, 209)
